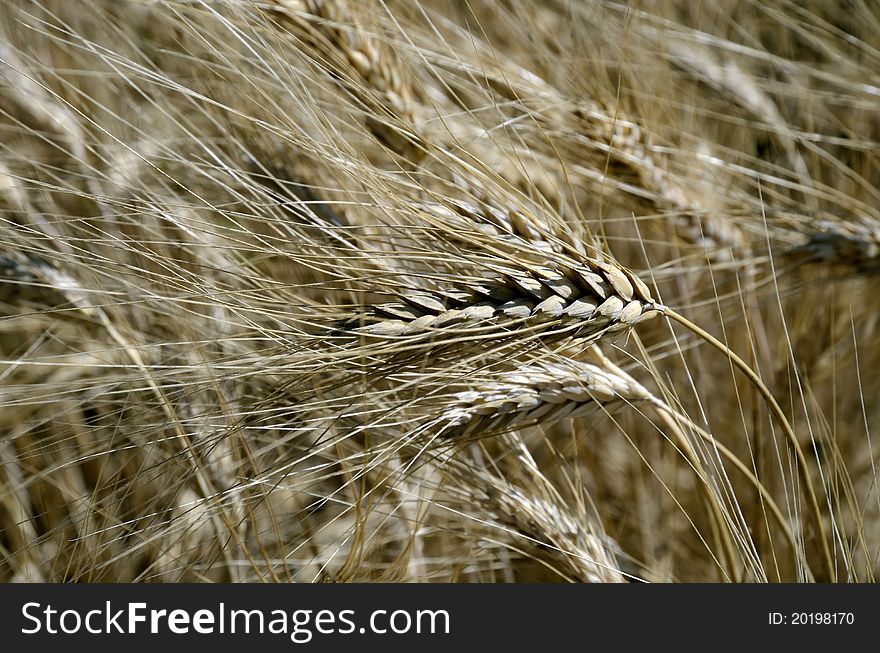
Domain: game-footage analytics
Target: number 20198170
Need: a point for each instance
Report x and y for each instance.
(811, 618)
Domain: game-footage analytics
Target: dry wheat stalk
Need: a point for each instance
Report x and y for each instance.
(48, 112)
(630, 145)
(544, 392)
(31, 278)
(255, 216)
(742, 87)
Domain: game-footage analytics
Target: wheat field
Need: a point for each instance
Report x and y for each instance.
(439, 291)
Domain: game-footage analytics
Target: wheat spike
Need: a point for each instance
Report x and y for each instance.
(363, 64)
(542, 392)
(530, 510)
(850, 244)
(587, 299)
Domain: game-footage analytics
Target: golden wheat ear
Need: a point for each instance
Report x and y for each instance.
(542, 392)
(588, 300)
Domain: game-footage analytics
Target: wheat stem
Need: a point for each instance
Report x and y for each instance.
(780, 416)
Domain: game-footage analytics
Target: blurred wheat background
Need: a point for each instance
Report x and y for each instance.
(478, 291)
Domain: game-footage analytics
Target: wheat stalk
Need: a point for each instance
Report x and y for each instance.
(611, 135)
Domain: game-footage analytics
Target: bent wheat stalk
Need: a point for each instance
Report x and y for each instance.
(778, 413)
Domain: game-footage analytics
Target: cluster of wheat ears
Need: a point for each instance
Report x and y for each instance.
(429, 290)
